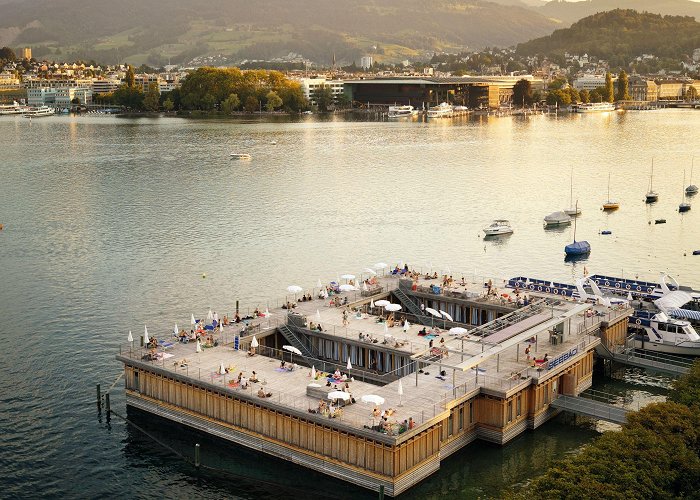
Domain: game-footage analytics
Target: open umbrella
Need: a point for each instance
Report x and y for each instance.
(349, 365)
(348, 276)
(432, 311)
(371, 271)
(294, 289)
(347, 288)
(392, 307)
(146, 340)
(254, 342)
(381, 265)
(193, 321)
(338, 395)
(293, 350)
(458, 330)
(199, 346)
(372, 398)
(313, 372)
(446, 315)
(382, 303)
(130, 338)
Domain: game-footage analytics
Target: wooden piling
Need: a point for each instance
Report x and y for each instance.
(381, 492)
(99, 399)
(197, 456)
(107, 406)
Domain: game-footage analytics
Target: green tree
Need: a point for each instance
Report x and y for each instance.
(273, 101)
(251, 104)
(686, 389)
(129, 97)
(522, 93)
(596, 95)
(7, 54)
(168, 105)
(609, 90)
(558, 84)
(584, 95)
(323, 95)
(558, 97)
(343, 100)
(231, 104)
(130, 78)
(623, 87)
(691, 94)
(151, 100)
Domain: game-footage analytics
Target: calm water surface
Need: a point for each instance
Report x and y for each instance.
(110, 224)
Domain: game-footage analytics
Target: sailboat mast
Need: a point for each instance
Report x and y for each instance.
(608, 186)
(575, 220)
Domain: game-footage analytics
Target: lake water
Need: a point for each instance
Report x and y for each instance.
(111, 223)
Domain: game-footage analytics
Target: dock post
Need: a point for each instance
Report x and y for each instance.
(141, 340)
(381, 492)
(197, 455)
(107, 406)
(99, 399)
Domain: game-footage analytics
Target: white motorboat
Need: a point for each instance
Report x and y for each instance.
(442, 110)
(656, 331)
(240, 156)
(652, 195)
(402, 112)
(594, 107)
(37, 112)
(497, 227)
(557, 219)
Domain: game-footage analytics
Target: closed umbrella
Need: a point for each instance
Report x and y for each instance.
(392, 307)
(371, 303)
(130, 338)
(400, 393)
(175, 330)
(349, 365)
(313, 372)
(365, 288)
(222, 370)
(319, 284)
(199, 346)
(318, 315)
(216, 317)
(210, 315)
(382, 303)
(386, 328)
(406, 326)
(629, 297)
(193, 321)
(254, 342)
(146, 340)
(372, 398)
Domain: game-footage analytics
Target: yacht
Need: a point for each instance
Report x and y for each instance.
(656, 331)
(610, 204)
(652, 195)
(497, 227)
(402, 111)
(594, 107)
(692, 188)
(684, 205)
(572, 210)
(36, 112)
(11, 109)
(442, 110)
(240, 156)
(557, 219)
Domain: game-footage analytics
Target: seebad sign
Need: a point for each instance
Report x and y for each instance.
(563, 357)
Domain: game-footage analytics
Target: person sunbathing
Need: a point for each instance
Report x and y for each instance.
(254, 377)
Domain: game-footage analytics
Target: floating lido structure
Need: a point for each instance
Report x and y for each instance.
(446, 389)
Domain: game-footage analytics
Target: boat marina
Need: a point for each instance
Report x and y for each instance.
(453, 362)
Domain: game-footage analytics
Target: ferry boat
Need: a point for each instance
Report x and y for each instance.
(240, 156)
(594, 107)
(40, 111)
(442, 110)
(11, 109)
(402, 112)
(498, 227)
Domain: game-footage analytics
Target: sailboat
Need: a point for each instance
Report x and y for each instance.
(692, 188)
(610, 204)
(572, 210)
(577, 247)
(684, 206)
(652, 195)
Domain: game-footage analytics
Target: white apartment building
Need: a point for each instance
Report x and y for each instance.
(366, 62)
(8, 81)
(105, 85)
(309, 85)
(60, 97)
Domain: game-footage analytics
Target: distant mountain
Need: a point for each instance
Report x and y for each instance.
(570, 12)
(619, 36)
(155, 31)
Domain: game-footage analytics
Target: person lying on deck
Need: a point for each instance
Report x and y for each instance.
(263, 394)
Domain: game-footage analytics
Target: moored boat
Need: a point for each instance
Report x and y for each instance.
(594, 107)
(442, 110)
(36, 112)
(401, 112)
(240, 156)
(498, 227)
(557, 219)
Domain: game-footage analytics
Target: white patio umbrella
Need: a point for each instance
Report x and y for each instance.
(199, 347)
(372, 398)
(400, 393)
(458, 330)
(432, 311)
(446, 315)
(130, 338)
(382, 303)
(347, 288)
(294, 289)
(370, 271)
(254, 342)
(318, 315)
(338, 395)
(392, 307)
(192, 321)
(349, 365)
(381, 265)
(348, 276)
(313, 372)
(210, 315)
(293, 350)
(222, 370)
(146, 340)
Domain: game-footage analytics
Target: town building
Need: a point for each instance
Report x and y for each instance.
(8, 81)
(27, 53)
(366, 62)
(310, 85)
(642, 89)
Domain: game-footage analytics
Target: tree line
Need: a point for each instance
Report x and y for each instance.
(655, 455)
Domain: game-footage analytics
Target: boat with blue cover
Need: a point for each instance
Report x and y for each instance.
(577, 248)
